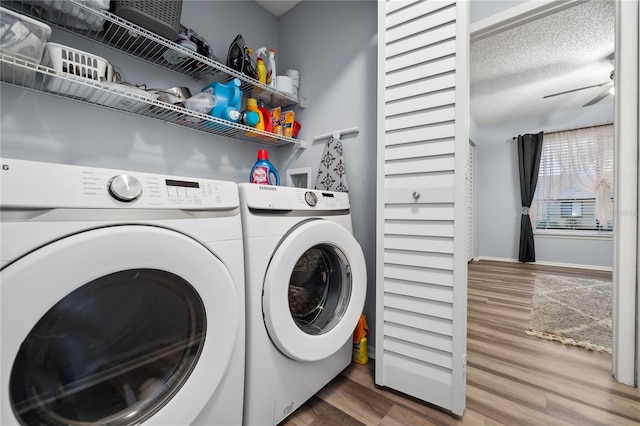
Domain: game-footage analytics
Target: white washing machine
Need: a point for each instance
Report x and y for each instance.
(305, 287)
(122, 297)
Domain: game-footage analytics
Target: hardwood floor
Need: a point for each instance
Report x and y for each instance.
(512, 379)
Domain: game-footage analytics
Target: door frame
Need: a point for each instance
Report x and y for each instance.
(626, 256)
(626, 337)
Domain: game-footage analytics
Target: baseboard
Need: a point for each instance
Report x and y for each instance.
(544, 263)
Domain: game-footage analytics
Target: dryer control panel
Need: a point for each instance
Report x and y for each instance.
(269, 197)
(31, 184)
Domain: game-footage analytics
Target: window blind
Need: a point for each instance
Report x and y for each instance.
(575, 180)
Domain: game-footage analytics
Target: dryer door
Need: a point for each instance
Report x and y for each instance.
(314, 290)
(115, 325)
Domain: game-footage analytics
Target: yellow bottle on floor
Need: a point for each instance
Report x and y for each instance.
(360, 354)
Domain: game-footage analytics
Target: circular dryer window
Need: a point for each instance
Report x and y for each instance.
(319, 289)
(314, 290)
(113, 351)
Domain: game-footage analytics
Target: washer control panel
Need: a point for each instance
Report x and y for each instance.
(47, 185)
(268, 197)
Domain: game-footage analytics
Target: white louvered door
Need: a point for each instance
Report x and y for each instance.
(421, 227)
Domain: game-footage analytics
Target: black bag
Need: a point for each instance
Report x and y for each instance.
(238, 57)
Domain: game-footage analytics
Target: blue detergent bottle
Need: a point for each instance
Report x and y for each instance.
(227, 99)
(263, 172)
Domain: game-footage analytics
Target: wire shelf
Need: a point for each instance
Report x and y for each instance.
(23, 73)
(133, 40)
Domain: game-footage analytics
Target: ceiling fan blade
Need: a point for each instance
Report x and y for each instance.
(575, 90)
(601, 96)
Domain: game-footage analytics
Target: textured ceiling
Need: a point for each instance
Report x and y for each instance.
(512, 70)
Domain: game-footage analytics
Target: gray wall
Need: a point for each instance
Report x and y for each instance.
(498, 193)
(334, 46)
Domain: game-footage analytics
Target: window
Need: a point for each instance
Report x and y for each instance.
(575, 181)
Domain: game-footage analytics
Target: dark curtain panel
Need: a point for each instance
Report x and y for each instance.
(529, 152)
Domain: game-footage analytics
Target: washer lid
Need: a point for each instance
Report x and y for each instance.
(169, 264)
(314, 290)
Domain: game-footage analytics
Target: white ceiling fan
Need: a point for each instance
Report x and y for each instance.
(608, 90)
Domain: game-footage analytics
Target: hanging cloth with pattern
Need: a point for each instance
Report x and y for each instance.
(332, 174)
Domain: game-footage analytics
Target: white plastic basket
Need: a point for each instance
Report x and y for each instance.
(73, 62)
(24, 39)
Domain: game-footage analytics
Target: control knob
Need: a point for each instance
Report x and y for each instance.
(311, 198)
(125, 188)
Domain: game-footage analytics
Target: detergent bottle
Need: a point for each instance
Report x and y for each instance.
(271, 69)
(263, 172)
(227, 99)
(252, 105)
(359, 353)
(261, 68)
(249, 118)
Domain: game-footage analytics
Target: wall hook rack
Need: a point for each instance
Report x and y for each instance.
(336, 134)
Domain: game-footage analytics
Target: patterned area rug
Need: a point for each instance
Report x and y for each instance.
(574, 311)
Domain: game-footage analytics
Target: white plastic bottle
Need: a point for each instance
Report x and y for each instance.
(271, 69)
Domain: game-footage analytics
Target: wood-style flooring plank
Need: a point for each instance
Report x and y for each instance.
(513, 379)
(506, 411)
(358, 401)
(577, 413)
(399, 415)
(316, 412)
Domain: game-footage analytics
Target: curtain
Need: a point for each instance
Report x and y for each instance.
(529, 152)
(579, 160)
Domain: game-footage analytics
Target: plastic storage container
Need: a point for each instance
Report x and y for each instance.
(158, 16)
(72, 15)
(161, 17)
(24, 39)
(70, 61)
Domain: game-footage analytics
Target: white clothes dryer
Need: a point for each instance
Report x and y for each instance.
(305, 287)
(122, 297)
